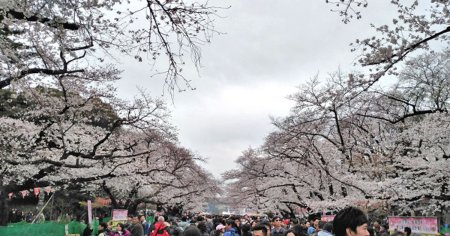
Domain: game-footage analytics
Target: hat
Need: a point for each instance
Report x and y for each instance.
(220, 227)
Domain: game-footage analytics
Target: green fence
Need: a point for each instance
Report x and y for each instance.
(42, 229)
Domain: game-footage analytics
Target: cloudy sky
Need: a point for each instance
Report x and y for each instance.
(265, 52)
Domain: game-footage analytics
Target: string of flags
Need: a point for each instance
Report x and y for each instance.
(34, 191)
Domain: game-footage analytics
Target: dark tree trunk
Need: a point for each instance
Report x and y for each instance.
(288, 214)
(174, 210)
(133, 205)
(4, 210)
(132, 208)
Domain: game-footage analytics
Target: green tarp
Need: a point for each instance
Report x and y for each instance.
(42, 229)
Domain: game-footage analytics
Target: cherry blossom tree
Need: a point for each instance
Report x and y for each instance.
(418, 27)
(62, 124)
(70, 37)
(168, 178)
(266, 184)
(351, 140)
(78, 135)
(340, 146)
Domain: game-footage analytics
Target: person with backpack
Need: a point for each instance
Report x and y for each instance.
(145, 225)
(160, 228)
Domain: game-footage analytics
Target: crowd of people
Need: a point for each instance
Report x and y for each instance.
(350, 221)
(15, 216)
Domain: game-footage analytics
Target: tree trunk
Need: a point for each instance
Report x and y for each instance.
(4, 210)
(174, 210)
(132, 208)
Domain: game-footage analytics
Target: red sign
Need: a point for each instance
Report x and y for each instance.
(119, 214)
(327, 218)
(420, 225)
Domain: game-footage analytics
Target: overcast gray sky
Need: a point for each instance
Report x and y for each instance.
(267, 50)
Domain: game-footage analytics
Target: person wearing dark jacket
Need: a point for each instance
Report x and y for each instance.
(136, 228)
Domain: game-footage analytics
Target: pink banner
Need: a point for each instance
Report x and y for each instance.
(119, 214)
(36, 191)
(421, 225)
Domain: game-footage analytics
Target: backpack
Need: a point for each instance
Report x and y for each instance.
(146, 227)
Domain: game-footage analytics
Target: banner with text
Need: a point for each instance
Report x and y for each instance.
(420, 225)
(119, 214)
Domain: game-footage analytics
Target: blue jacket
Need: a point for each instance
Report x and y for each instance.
(231, 232)
(311, 230)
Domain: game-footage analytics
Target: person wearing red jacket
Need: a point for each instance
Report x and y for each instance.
(160, 228)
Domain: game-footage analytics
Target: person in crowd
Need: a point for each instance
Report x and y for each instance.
(277, 230)
(407, 231)
(380, 230)
(253, 223)
(293, 222)
(385, 230)
(220, 229)
(129, 221)
(88, 230)
(209, 224)
(266, 223)
(203, 229)
(260, 230)
(199, 219)
(145, 224)
(160, 227)
(192, 231)
(305, 225)
(289, 232)
(136, 228)
(377, 228)
(297, 230)
(193, 221)
(121, 230)
(103, 229)
(184, 223)
(325, 229)
(237, 225)
(316, 226)
(29, 217)
(286, 224)
(246, 230)
(397, 233)
(371, 231)
(311, 230)
(173, 228)
(350, 221)
(230, 230)
(20, 217)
